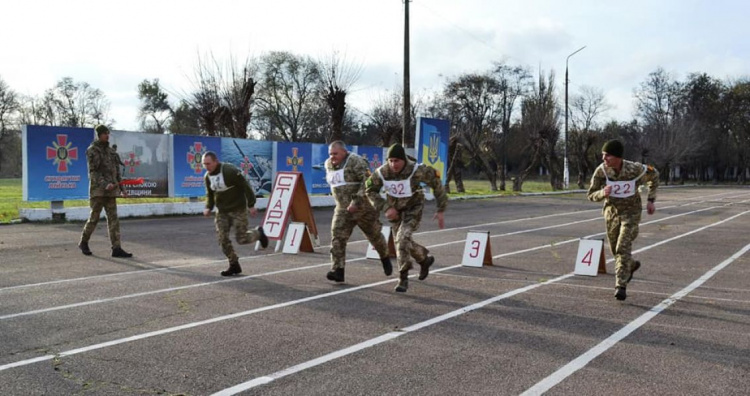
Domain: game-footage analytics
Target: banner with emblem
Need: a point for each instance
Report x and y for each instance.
(186, 173)
(255, 160)
(432, 149)
(143, 156)
(297, 157)
(54, 163)
(373, 155)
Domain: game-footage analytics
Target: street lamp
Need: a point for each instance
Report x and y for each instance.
(566, 173)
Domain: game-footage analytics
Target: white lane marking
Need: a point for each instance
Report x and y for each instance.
(138, 272)
(389, 336)
(580, 362)
(377, 340)
(271, 307)
(171, 289)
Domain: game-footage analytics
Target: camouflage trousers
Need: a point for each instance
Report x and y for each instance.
(224, 223)
(113, 222)
(406, 248)
(622, 229)
(343, 224)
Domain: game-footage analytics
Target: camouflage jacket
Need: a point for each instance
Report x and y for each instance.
(104, 169)
(233, 194)
(645, 175)
(356, 171)
(422, 174)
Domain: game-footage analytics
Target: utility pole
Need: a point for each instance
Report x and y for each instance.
(406, 123)
(566, 172)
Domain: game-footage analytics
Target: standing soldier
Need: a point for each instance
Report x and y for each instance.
(616, 182)
(403, 206)
(346, 174)
(104, 187)
(231, 194)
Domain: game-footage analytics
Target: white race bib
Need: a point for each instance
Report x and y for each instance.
(622, 189)
(335, 178)
(216, 182)
(398, 189)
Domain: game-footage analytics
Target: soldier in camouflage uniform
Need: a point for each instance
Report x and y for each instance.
(616, 182)
(104, 187)
(231, 194)
(346, 174)
(403, 206)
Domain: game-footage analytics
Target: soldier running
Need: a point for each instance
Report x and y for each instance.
(616, 182)
(403, 207)
(231, 194)
(346, 174)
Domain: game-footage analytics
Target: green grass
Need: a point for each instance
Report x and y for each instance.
(11, 200)
(11, 196)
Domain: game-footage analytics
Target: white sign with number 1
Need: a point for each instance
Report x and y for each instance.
(589, 257)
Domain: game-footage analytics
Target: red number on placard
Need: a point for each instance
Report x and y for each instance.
(475, 249)
(587, 258)
(294, 236)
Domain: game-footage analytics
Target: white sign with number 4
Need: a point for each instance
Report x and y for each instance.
(589, 257)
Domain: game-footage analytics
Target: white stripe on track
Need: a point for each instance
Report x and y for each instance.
(580, 362)
(243, 278)
(138, 272)
(389, 336)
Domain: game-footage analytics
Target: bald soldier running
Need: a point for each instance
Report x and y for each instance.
(346, 174)
(403, 207)
(616, 182)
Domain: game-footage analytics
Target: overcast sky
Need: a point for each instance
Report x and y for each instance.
(115, 45)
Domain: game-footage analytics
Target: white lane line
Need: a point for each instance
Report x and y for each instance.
(389, 336)
(243, 278)
(377, 340)
(138, 272)
(268, 308)
(580, 362)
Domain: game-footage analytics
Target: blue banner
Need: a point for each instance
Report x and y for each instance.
(254, 158)
(54, 163)
(432, 148)
(296, 157)
(187, 167)
(374, 156)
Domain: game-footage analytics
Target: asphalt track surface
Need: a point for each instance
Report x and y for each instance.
(165, 322)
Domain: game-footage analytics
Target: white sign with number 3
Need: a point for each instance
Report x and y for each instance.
(589, 253)
(474, 251)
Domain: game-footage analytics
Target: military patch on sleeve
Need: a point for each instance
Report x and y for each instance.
(368, 183)
(650, 168)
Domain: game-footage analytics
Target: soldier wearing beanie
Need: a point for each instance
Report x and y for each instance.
(346, 174)
(401, 177)
(104, 188)
(616, 182)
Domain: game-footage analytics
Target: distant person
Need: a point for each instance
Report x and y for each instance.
(104, 187)
(616, 182)
(346, 174)
(229, 192)
(403, 207)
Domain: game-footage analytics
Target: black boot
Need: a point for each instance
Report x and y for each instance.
(118, 252)
(387, 267)
(234, 269)
(620, 293)
(632, 271)
(262, 238)
(424, 269)
(403, 282)
(84, 246)
(336, 275)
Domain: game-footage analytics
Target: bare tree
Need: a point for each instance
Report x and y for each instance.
(76, 104)
(9, 107)
(338, 76)
(540, 126)
(514, 82)
(587, 107)
(154, 111)
(289, 98)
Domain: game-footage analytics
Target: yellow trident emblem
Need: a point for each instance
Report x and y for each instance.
(433, 152)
